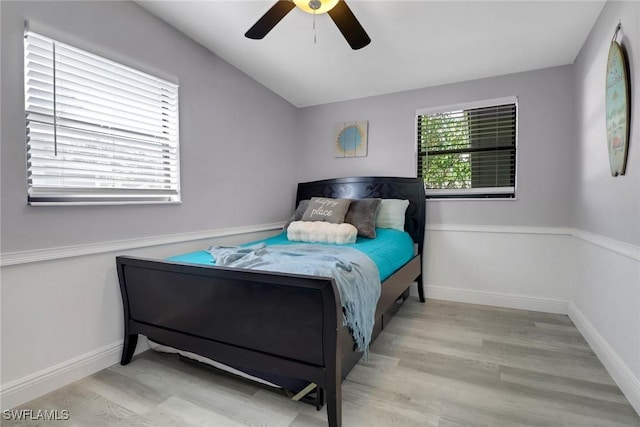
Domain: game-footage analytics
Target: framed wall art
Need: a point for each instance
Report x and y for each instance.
(350, 139)
(617, 108)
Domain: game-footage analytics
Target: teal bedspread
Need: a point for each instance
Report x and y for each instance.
(390, 250)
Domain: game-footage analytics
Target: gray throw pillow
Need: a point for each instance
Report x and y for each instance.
(362, 215)
(297, 215)
(327, 210)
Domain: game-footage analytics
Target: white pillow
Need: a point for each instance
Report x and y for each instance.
(391, 214)
(322, 232)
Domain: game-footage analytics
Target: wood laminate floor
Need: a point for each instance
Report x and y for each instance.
(436, 364)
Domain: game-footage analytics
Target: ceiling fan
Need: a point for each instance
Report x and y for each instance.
(338, 10)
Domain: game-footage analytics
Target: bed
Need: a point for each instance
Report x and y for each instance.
(280, 324)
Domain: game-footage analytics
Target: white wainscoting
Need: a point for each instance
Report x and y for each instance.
(592, 278)
(62, 310)
(605, 306)
(516, 267)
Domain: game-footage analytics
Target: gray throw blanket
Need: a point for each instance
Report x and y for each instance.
(355, 274)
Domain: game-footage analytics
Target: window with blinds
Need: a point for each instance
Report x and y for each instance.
(97, 132)
(469, 151)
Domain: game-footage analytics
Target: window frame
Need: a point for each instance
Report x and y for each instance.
(137, 175)
(477, 193)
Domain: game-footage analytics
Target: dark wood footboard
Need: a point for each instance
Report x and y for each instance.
(281, 323)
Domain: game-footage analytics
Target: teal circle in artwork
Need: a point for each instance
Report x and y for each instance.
(349, 138)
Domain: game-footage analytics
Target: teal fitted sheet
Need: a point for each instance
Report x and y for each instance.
(390, 250)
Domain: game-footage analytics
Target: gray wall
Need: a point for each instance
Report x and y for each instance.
(546, 116)
(604, 204)
(237, 137)
(606, 290)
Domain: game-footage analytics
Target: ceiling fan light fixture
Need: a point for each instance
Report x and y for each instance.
(340, 14)
(316, 6)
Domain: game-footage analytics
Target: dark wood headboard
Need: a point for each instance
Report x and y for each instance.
(411, 189)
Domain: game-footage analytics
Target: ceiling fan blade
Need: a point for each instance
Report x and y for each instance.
(349, 26)
(270, 19)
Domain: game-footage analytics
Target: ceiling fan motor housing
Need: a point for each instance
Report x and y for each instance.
(315, 4)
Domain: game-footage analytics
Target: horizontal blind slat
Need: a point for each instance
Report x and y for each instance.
(44, 82)
(64, 173)
(91, 137)
(130, 74)
(91, 179)
(46, 156)
(41, 91)
(170, 135)
(39, 149)
(111, 75)
(52, 191)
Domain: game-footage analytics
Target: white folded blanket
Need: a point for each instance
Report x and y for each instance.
(322, 232)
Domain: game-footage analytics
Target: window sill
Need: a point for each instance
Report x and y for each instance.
(139, 202)
(470, 199)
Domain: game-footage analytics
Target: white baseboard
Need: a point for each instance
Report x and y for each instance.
(522, 302)
(40, 383)
(619, 371)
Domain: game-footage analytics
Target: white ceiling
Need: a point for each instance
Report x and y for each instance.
(414, 44)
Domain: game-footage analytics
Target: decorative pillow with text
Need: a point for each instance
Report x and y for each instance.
(327, 210)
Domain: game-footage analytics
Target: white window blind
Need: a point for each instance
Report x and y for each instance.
(97, 131)
(469, 151)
